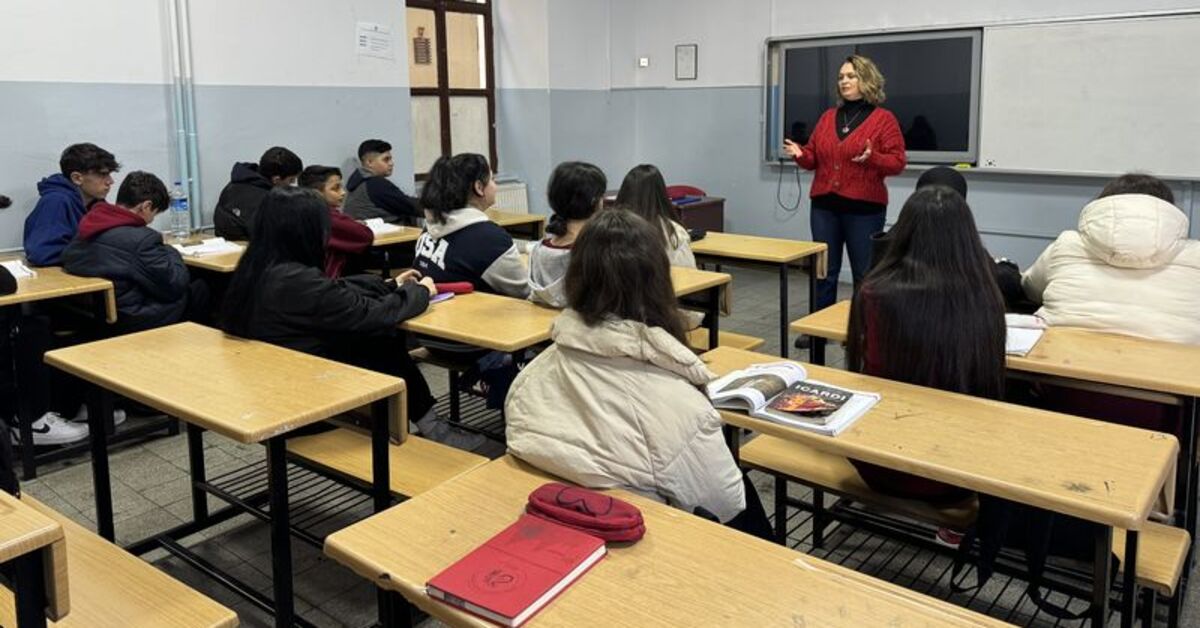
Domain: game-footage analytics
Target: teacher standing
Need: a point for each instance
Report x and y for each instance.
(853, 147)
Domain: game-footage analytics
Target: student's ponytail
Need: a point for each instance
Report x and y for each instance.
(575, 191)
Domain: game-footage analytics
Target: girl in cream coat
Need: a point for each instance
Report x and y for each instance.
(616, 401)
(1129, 268)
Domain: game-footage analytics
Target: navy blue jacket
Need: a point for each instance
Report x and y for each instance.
(150, 278)
(54, 220)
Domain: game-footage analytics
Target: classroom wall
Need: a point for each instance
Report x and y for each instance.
(707, 132)
(76, 70)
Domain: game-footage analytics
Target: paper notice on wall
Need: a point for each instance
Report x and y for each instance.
(373, 40)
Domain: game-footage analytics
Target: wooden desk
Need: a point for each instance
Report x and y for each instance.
(486, 320)
(773, 253)
(34, 544)
(1102, 472)
(527, 226)
(394, 244)
(246, 390)
(686, 571)
(403, 236)
(509, 324)
(690, 281)
(51, 282)
(1080, 358)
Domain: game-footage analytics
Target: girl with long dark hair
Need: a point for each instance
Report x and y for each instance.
(280, 294)
(644, 192)
(929, 314)
(616, 400)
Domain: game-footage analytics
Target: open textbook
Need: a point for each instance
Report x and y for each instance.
(18, 269)
(379, 227)
(208, 246)
(781, 392)
(1024, 331)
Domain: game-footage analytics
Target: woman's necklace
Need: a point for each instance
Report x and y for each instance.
(846, 125)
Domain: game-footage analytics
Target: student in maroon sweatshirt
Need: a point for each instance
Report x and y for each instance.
(115, 242)
(347, 237)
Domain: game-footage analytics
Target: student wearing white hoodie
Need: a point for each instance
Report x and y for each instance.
(1128, 269)
(460, 242)
(616, 401)
(575, 192)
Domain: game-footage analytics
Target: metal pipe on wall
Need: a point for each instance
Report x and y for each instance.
(189, 111)
(177, 96)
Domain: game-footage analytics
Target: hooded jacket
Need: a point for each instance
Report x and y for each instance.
(54, 220)
(470, 247)
(347, 238)
(1128, 269)
(150, 278)
(617, 405)
(240, 198)
(548, 273)
(370, 196)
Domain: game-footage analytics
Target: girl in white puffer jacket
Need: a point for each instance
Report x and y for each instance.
(1129, 268)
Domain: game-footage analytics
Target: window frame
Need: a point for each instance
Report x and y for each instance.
(443, 91)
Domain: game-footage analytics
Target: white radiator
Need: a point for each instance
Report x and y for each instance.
(512, 196)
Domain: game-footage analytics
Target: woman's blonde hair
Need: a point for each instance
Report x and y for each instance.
(870, 79)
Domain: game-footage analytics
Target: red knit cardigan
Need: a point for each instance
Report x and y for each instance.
(830, 157)
(347, 237)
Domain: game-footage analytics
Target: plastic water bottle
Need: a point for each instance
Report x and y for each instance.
(181, 218)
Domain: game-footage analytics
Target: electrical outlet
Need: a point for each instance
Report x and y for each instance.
(643, 62)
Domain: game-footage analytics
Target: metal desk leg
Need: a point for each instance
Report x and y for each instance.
(816, 350)
(380, 466)
(387, 263)
(25, 411)
(100, 410)
(30, 581)
(1185, 481)
(281, 539)
(1101, 570)
(812, 284)
(783, 310)
(713, 311)
(1129, 588)
(195, 440)
(733, 440)
(394, 610)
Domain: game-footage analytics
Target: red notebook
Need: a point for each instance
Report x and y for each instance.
(517, 572)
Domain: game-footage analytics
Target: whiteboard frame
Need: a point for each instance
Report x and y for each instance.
(770, 154)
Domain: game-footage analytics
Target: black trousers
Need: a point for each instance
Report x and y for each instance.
(388, 354)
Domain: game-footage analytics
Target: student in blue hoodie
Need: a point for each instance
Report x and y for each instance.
(85, 176)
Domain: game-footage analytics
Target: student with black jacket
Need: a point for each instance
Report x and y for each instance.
(248, 186)
(116, 242)
(280, 294)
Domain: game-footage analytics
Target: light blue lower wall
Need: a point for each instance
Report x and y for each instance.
(234, 123)
(711, 138)
(323, 125)
(39, 120)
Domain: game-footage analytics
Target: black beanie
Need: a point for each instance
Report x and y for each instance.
(942, 175)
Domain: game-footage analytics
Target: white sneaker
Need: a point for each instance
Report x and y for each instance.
(82, 416)
(52, 429)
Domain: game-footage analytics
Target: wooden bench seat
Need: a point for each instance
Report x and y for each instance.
(698, 340)
(1162, 551)
(835, 474)
(416, 466)
(111, 587)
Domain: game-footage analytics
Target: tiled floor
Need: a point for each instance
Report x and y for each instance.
(150, 494)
